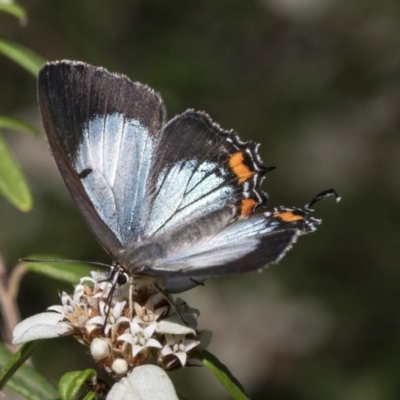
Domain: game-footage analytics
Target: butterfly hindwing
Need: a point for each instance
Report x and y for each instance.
(199, 169)
(215, 247)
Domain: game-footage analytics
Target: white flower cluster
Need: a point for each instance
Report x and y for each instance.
(124, 326)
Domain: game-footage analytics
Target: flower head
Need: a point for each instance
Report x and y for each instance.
(124, 326)
(175, 350)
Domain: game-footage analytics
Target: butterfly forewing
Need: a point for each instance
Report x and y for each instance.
(102, 130)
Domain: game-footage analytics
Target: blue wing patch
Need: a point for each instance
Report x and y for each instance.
(118, 152)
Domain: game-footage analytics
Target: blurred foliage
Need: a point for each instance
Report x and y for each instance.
(12, 182)
(318, 84)
(26, 381)
(13, 185)
(8, 6)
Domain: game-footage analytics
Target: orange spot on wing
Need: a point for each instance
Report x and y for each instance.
(239, 168)
(288, 216)
(247, 207)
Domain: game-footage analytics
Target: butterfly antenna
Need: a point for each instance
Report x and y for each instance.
(34, 260)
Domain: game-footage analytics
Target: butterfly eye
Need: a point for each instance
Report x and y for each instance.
(122, 279)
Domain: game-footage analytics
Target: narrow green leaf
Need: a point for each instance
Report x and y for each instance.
(72, 382)
(12, 182)
(89, 396)
(26, 380)
(222, 373)
(18, 125)
(14, 9)
(23, 56)
(62, 271)
(16, 361)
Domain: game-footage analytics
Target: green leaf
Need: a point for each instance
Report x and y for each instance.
(26, 380)
(18, 125)
(71, 383)
(22, 56)
(16, 361)
(12, 182)
(222, 373)
(89, 396)
(15, 10)
(62, 271)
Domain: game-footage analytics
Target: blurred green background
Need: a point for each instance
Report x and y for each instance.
(317, 83)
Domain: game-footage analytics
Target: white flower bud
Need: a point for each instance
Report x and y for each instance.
(99, 349)
(119, 366)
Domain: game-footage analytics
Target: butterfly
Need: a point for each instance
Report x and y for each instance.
(176, 202)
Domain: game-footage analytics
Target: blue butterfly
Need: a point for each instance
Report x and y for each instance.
(176, 202)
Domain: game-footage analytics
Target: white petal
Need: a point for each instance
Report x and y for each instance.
(40, 326)
(135, 328)
(166, 350)
(87, 279)
(103, 307)
(146, 382)
(126, 337)
(153, 343)
(174, 326)
(190, 344)
(122, 319)
(117, 309)
(136, 349)
(137, 307)
(182, 357)
(66, 299)
(78, 293)
(98, 276)
(98, 320)
(149, 330)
